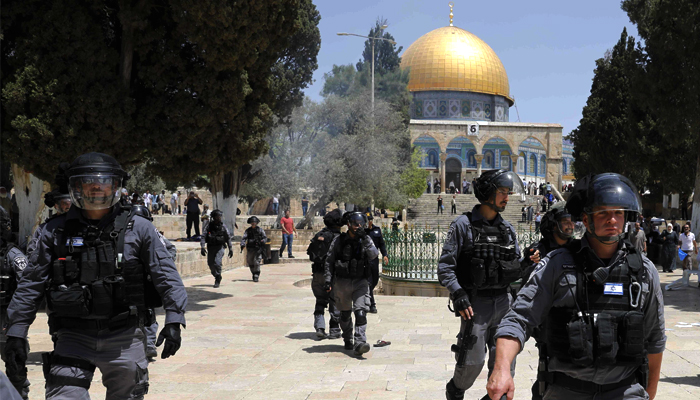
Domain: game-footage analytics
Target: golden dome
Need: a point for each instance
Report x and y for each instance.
(452, 59)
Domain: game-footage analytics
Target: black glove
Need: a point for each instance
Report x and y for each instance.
(171, 334)
(16, 361)
(461, 300)
(361, 232)
(204, 251)
(327, 286)
(230, 253)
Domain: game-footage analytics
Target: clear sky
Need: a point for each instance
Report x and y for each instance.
(548, 47)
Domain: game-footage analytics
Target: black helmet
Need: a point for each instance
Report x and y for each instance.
(357, 217)
(607, 189)
(5, 226)
(56, 198)
(253, 219)
(95, 169)
(552, 222)
(487, 184)
(217, 214)
(333, 219)
(140, 209)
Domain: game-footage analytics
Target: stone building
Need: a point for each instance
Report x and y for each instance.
(460, 114)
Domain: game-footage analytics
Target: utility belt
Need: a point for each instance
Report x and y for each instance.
(215, 239)
(131, 318)
(587, 387)
(353, 268)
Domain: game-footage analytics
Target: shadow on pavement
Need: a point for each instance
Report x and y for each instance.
(685, 299)
(303, 335)
(327, 348)
(682, 380)
(195, 297)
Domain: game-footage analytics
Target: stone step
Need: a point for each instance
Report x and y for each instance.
(296, 259)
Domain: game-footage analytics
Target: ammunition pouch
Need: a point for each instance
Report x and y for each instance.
(580, 342)
(606, 327)
(642, 374)
(342, 269)
(477, 272)
(632, 335)
(70, 301)
(509, 271)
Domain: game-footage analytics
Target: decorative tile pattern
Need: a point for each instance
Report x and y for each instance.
(487, 111)
(477, 109)
(418, 108)
(429, 108)
(466, 108)
(442, 108)
(500, 113)
(455, 109)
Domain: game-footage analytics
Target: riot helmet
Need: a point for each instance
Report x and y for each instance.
(5, 226)
(142, 210)
(253, 220)
(58, 200)
(95, 180)
(491, 181)
(613, 191)
(333, 219)
(557, 221)
(217, 216)
(356, 220)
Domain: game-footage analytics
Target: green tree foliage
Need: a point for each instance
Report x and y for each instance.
(413, 178)
(612, 135)
(669, 85)
(386, 54)
(193, 86)
(142, 179)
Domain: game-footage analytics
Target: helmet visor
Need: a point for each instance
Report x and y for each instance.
(95, 191)
(613, 190)
(356, 221)
(566, 226)
(511, 181)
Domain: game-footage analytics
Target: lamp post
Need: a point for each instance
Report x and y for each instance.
(372, 38)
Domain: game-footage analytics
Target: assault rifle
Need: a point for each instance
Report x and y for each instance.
(468, 341)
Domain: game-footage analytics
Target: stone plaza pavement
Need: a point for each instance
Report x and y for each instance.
(253, 341)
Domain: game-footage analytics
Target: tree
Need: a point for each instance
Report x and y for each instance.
(670, 82)
(193, 86)
(610, 137)
(142, 179)
(386, 55)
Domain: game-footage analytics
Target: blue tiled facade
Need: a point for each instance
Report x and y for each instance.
(465, 106)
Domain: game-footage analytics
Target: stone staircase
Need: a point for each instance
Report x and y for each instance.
(421, 212)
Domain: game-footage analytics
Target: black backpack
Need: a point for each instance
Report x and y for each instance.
(318, 249)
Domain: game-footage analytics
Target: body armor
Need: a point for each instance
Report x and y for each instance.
(255, 238)
(608, 329)
(90, 279)
(216, 234)
(8, 278)
(318, 249)
(490, 261)
(351, 263)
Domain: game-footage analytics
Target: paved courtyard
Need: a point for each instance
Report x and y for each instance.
(252, 341)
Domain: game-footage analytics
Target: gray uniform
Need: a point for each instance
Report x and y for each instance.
(120, 353)
(324, 299)
(254, 255)
(7, 391)
(548, 287)
(15, 261)
(151, 330)
(351, 294)
(215, 251)
(488, 310)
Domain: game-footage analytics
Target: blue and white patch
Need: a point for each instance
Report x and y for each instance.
(613, 289)
(75, 242)
(20, 263)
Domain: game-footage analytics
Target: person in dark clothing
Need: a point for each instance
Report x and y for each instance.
(669, 251)
(375, 233)
(439, 204)
(217, 238)
(192, 203)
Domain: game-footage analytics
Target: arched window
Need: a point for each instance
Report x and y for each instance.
(532, 165)
(471, 162)
(543, 166)
(505, 160)
(432, 158)
(488, 159)
(521, 163)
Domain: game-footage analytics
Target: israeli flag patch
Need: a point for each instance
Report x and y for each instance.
(75, 242)
(614, 289)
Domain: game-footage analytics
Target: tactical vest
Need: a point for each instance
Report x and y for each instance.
(90, 280)
(610, 328)
(8, 278)
(490, 260)
(351, 263)
(255, 238)
(216, 234)
(318, 249)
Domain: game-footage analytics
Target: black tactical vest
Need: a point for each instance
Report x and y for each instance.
(351, 263)
(318, 249)
(8, 279)
(610, 328)
(90, 280)
(216, 234)
(490, 260)
(255, 238)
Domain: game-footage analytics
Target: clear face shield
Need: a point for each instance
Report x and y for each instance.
(565, 227)
(95, 191)
(63, 205)
(356, 222)
(507, 184)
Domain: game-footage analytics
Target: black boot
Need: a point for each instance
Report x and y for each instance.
(452, 392)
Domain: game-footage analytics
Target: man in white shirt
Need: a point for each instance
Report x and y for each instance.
(173, 204)
(689, 246)
(147, 199)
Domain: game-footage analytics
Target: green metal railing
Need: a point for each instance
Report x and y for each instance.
(414, 251)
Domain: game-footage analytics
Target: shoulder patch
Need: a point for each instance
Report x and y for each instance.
(160, 237)
(20, 263)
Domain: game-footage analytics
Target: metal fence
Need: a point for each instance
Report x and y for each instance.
(414, 251)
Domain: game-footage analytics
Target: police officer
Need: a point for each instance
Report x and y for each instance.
(601, 302)
(254, 240)
(58, 200)
(375, 233)
(347, 274)
(217, 238)
(317, 251)
(92, 264)
(12, 266)
(479, 261)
